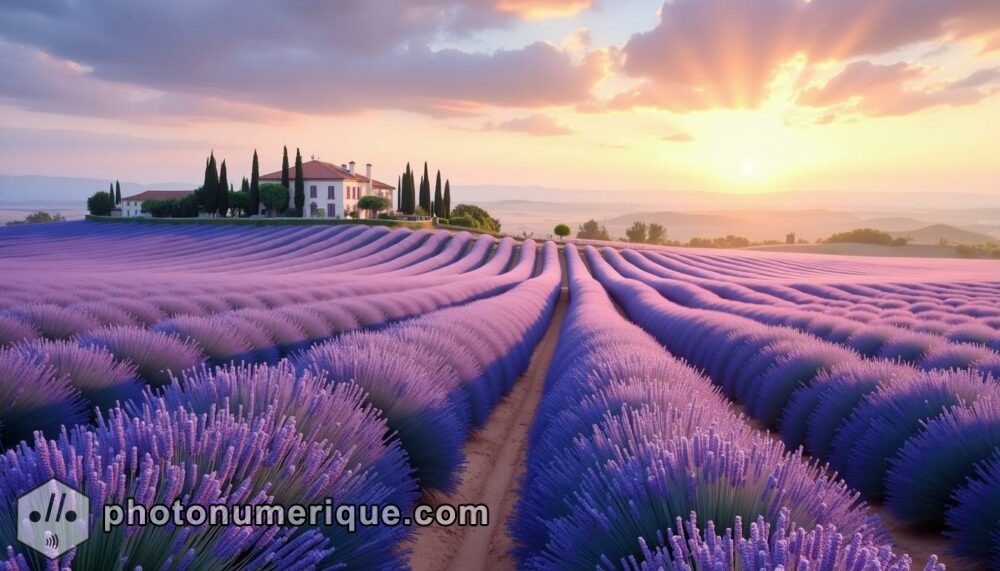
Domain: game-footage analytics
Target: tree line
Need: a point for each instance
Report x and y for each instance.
(410, 201)
(216, 197)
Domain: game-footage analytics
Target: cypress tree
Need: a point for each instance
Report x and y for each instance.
(425, 191)
(245, 186)
(446, 207)
(438, 199)
(407, 190)
(284, 169)
(210, 190)
(118, 193)
(255, 186)
(300, 185)
(223, 191)
(399, 194)
(111, 191)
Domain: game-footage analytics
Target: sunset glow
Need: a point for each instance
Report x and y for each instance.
(684, 95)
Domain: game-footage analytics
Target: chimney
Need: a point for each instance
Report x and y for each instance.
(352, 167)
(368, 171)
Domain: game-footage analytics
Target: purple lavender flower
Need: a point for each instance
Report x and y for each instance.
(155, 355)
(92, 371)
(935, 463)
(34, 396)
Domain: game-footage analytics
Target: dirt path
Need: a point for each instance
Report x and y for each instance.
(495, 463)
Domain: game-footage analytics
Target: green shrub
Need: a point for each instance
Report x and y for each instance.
(867, 236)
(482, 218)
(100, 204)
(464, 221)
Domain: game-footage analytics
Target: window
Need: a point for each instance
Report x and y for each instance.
(331, 210)
(312, 191)
(331, 194)
(312, 207)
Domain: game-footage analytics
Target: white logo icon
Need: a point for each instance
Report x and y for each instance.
(53, 518)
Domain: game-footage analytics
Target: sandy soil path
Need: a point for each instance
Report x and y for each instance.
(495, 464)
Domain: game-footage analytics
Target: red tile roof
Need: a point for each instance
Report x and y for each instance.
(157, 195)
(321, 170)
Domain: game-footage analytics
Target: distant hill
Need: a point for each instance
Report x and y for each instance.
(31, 189)
(934, 233)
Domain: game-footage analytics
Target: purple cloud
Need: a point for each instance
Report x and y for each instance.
(718, 53)
(308, 56)
(537, 125)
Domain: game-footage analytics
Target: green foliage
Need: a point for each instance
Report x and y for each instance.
(222, 192)
(591, 230)
(209, 195)
(118, 193)
(438, 198)
(239, 202)
(657, 235)
(254, 198)
(447, 199)
(990, 250)
(41, 217)
(482, 219)
(407, 203)
(562, 231)
(867, 236)
(464, 221)
(100, 204)
(186, 207)
(284, 172)
(300, 184)
(425, 191)
(373, 204)
(637, 233)
(274, 197)
(729, 241)
(158, 208)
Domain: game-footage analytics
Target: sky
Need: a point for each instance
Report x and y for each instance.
(735, 96)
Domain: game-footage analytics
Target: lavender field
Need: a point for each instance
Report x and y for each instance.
(695, 409)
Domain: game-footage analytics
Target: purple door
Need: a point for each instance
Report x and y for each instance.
(331, 210)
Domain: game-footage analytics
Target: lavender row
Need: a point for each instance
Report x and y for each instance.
(916, 439)
(244, 435)
(107, 365)
(634, 461)
(54, 322)
(438, 377)
(861, 301)
(925, 350)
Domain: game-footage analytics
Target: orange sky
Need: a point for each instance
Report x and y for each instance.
(713, 95)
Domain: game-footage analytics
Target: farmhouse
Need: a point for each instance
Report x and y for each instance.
(131, 206)
(333, 191)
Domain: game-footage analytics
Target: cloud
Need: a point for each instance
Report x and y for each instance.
(306, 57)
(36, 81)
(872, 89)
(719, 53)
(538, 9)
(679, 137)
(535, 125)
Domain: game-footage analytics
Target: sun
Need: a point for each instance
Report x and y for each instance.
(749, 169)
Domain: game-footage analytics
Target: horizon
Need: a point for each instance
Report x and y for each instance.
(644, 96)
